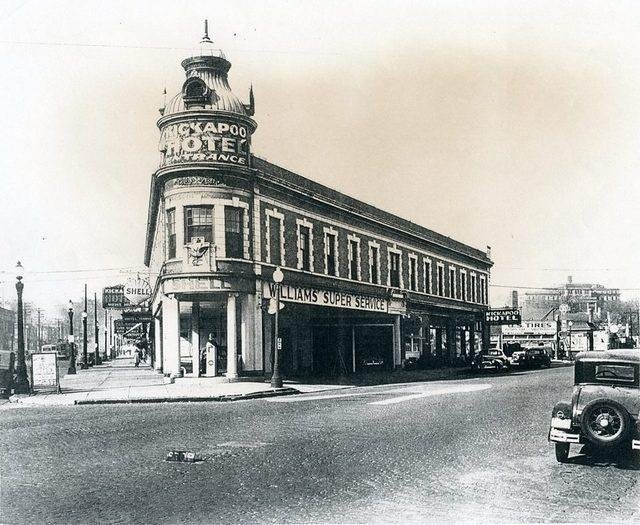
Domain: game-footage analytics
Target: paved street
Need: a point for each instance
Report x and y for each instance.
(466, 450)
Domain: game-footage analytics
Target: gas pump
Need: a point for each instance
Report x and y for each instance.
(211, 359)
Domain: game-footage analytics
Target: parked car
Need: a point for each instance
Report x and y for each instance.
(604, 407)
(492, 359)
(7, 372)
(531, 358)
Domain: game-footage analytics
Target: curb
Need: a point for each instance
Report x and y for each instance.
(221, 398)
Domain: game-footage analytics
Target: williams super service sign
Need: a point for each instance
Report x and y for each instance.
(503, 316)
(336, 299)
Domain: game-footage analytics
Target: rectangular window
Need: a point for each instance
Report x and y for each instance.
(354, 259)
(394, 269)
(440, 283)
(374, 265)
(452, 283)
(304, 241)
(275, 239)
(619, 373)
(198, 222)
(483, 289)
(427, 277)
(171, 233)
(413, 271)
(330, 253)
(233, 232)
(463, 286)
(473, 288)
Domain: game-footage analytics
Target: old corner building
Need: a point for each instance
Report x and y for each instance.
(362, 287)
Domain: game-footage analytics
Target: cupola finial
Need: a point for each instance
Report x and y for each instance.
(206, 38)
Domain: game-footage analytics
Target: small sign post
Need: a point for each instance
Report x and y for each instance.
(44, 372)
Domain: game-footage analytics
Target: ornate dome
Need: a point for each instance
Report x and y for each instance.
(207, 85)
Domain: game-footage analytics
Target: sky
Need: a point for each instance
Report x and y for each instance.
(508, 124)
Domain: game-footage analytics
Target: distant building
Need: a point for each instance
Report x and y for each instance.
(578, 297)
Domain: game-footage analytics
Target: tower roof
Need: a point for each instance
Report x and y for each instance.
(207, 84)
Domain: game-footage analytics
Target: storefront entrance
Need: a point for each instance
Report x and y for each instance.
(197, 321)
(348, 349)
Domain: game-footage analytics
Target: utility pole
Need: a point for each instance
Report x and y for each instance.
(39, 333)
(95, 325)
(105, 356)
(85, 357)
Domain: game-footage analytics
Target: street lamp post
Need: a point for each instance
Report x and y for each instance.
(105, 356)
(276, 378)
(557, 336)
(72, 357)
(21, 384)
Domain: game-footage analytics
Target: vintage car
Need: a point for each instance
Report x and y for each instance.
(603, 411)
(531, 358)
(492, 359)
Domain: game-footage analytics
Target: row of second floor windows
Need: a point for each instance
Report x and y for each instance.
(199, 224)
(402, 270)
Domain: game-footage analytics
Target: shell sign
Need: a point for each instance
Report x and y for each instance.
(221, 141)
(137, 290)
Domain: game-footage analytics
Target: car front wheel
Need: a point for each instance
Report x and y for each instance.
(562, 452)
(605, 423)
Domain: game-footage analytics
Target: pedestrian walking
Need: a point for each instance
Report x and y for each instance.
(136, 358)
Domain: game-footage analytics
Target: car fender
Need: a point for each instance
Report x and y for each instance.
(625, 396)
(562, 415)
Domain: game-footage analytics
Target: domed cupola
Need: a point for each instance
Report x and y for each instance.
(206, 122)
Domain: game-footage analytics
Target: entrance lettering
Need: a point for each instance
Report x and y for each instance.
(209, 141)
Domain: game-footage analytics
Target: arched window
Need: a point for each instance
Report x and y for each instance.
(195, 92)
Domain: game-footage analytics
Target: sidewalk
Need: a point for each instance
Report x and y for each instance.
(120, 381)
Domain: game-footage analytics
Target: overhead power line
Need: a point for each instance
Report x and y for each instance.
(86, 44)
(80, 270)
(167, 48)
(512, 287)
